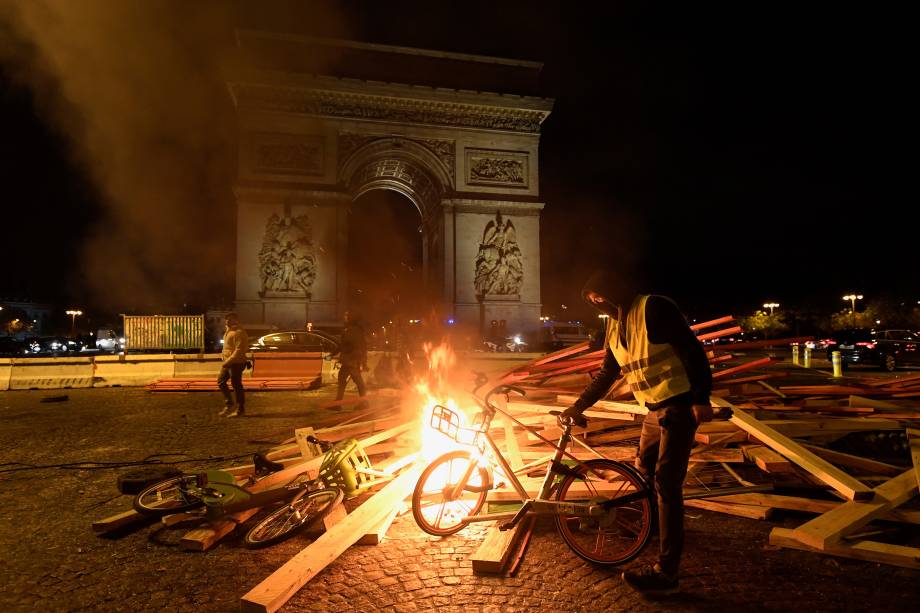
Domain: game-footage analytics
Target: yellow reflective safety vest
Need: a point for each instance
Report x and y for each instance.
(653, 371)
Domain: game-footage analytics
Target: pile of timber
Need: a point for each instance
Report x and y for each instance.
(787, 438)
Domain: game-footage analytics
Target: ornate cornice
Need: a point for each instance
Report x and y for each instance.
(386, 108)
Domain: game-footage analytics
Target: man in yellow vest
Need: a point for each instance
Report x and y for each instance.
(649, 342)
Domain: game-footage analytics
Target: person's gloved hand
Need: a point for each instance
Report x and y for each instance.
(576, 414)
(702, 413)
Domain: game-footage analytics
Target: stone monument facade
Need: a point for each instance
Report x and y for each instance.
(312, 139)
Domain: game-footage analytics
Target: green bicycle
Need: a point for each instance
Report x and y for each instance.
(299, 503)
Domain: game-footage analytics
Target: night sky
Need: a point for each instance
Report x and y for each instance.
(725, 155)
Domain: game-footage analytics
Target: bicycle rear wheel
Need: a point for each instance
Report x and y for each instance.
(435, 510)
(289, 519)
(622, 532)
(167, 497)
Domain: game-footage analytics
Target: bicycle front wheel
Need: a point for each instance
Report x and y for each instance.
(289, 519)
(623, 530)
(167, 497)
(434, 507)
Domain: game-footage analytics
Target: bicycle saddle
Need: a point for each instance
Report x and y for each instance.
(264, 466)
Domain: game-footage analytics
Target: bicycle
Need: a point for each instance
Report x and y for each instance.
(602, 508)
(345, 472)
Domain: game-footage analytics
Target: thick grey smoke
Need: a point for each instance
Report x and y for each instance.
(137, 88)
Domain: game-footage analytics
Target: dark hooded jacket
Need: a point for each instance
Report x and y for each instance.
(353, 347)
(665, 324)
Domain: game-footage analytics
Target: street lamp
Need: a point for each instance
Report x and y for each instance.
(853, 298)
(771, 306)
(73, 319)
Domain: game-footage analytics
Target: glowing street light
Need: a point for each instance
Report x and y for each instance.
(771, 306)
(853, 298)
(73, 319)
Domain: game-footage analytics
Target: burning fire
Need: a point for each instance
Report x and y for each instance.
(434, 389)
(438, 507)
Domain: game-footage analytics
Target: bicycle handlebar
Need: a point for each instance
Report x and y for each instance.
(503, 388)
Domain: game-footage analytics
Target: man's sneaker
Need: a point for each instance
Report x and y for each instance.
(237, 413)
(652, 580)
(225, 410)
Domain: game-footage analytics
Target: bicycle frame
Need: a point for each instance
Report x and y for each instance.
(541, 505)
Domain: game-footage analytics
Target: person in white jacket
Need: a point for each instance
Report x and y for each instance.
(236, 344)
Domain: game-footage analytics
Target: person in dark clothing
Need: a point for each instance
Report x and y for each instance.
(352, 356)
(649, 342)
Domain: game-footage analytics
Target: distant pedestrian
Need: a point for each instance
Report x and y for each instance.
(236, 344)
(352, 356)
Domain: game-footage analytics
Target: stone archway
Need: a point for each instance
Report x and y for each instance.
(466, 159)
(411, 169)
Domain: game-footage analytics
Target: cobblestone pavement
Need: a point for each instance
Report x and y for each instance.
(52, 561)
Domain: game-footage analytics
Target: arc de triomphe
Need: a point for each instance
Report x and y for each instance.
(317, 131)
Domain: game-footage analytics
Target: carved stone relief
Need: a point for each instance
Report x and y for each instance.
(287, 154)
(499, 168)
(499, 264)
(287, 265)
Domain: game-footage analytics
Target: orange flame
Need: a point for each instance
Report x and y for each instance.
(434, 389)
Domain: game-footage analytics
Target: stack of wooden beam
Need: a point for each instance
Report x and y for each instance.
(781, 436)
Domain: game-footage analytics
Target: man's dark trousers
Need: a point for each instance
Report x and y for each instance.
(664, 452)
(353, 371)
(233, 373)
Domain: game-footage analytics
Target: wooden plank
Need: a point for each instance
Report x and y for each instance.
(718, 333)
(562, 353)
(618, 407)
(277, 588)
(349, 430)
(496, 550)
(913, 436)
(767, 460)
(823, 470)
(513, 452)
(712, 322)
(830, 527)
(337, 514)
(205, 537)
(816, 426)
(307, 449)
(870, 551)
(739, 510)
(376, 534)
(119, 520)
(851, 461)
(720, 438)
(743, 367)
(810, 505)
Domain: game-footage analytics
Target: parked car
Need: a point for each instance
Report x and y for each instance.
(296, 341)
(887, 349)
(108, 341)
(52, 345)
(12, 347)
